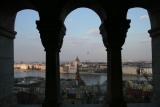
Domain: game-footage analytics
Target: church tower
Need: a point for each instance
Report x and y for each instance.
(77, 60)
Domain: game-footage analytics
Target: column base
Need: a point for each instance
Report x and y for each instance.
(155, 101)
(51, 104)
(8, 101)
(115, 104)
(118, 104)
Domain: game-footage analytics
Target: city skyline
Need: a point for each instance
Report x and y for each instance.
(82, 37)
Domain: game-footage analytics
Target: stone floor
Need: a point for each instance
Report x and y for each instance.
(97, 105)
(29, 106)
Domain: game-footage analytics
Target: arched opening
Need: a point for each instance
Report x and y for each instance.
(29, 60)
(137, 60)
(83, 59)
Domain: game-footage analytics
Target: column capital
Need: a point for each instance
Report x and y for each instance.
(7, 33)
(52, 34)
(154, 32)
(114, 33)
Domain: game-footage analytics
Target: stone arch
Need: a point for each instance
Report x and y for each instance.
(140, 7)
(138, 34)
(72, 5)
(21, 10)
(7, 20)
(7, 35)
(139, 27)
(25, 27)
(92, 27)
(97, 17)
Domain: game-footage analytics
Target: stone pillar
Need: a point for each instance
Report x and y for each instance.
(114, 33)
(155, 36)
(6, 68)
(7, 35)
(52, 38)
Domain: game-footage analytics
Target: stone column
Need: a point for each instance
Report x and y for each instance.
(7, 35)
(155, 36)
(52, 38)
(114, 33)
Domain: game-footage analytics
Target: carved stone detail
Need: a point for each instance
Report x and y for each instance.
(114, 34)
(51, 34)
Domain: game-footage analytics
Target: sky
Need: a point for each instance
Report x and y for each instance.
(82, 37)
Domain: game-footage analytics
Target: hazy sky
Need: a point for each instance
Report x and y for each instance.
(82, 37)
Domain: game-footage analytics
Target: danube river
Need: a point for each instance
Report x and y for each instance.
(89, 78)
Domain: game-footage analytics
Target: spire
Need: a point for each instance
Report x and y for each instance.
(77, 74)
(80, 82)
(77, 59)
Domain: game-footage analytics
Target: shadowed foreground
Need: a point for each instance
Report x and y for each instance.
(97, 105)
